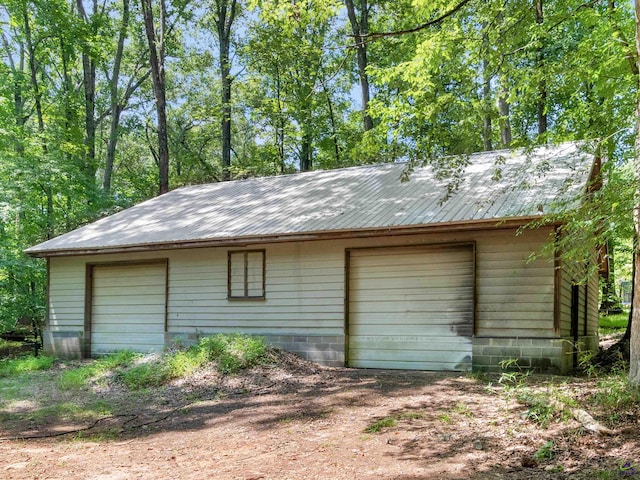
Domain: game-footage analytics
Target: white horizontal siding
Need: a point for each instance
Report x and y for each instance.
(515, 295)
(304, 292)
(305, 286)
(66, 294)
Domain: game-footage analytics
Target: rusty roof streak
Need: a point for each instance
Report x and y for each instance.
(363, 198)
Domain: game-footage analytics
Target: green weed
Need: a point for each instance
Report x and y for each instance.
(145, 375)
(234, 352)
(22, 365)
(386, 422)
(444, 418)
(392, 421)
(77, 378)
(545, 452)
(463, 409)
(615, 392)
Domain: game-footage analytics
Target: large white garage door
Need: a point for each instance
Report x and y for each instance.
(128, 308)
(411, 307)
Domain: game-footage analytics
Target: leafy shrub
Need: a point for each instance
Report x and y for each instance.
(18, 366)
(234, 352)
(145, 375)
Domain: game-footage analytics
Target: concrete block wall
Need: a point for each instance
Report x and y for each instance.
(539, 354)
(63, 344)
(549, 355)
(324, 349)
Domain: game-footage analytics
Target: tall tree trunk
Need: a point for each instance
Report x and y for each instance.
(486, 99)
(306, 162)
(156, 54)
(280, 127)
(505, 121)
(360, 28)
(334, 129)
(634, 362)
(18, 97)
(116, 108)
(225, 15)
(37, 95)
(89, 82)
(541, 103)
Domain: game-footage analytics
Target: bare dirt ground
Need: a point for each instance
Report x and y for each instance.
(300, 421)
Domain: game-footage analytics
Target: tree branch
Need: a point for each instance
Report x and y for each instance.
(430, 23)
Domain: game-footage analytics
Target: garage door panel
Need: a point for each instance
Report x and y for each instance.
(407, 356)
(405, 282)
(438, 269)
(435, 329)
(128, 308)
(411, 307)
(422, 309)
(117, 281)
(435, 343)
(400, 295)
(463, 366)
(117, 322)
(151, 299)
(142, 343)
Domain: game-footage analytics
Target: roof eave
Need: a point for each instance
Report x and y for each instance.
(493, 223)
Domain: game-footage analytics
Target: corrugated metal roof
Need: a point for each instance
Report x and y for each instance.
(351, 199)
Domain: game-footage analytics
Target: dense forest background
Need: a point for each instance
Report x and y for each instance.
(104, 103)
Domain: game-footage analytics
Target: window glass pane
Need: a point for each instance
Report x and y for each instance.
(237, 275)
(255, 274)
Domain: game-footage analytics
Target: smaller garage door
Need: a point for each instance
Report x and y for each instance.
(128, 307)
(411, 307)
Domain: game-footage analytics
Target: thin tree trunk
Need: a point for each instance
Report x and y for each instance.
(156, 54)
(18, 97)
(225, 15)
(116, 109)
(360, 29)
(281, 123)
(37, 95)
(306, 162)
(505, 127)
(334, 130)
(89, 82)
(634, 362)
(486, 100)
(541, 103)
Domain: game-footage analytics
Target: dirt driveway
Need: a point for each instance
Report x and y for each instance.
(306, 422)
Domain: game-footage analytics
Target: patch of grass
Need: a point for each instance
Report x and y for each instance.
(234, 352)
(22, 365)
(444, 418)
(77, 378)
(386, 422)
(9, 344)
(392, 421)
(540, 410)
(616, 393)
(613, 323)
(463, 409)
(145, 375)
